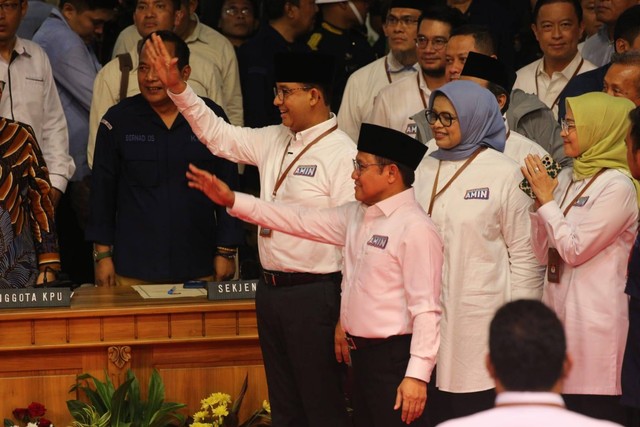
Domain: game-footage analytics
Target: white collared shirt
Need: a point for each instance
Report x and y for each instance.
(362, 88)
(320, 179)
(397, 102)
(533, 79)
(528, 409)
(33, 99)
(393, 262)
(594, 240)
(483, 218)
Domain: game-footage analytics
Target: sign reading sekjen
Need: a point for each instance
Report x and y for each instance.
(232, 289)
(35, 297)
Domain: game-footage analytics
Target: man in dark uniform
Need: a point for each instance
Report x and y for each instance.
(146, 224)
(288, 21)
(341, 33)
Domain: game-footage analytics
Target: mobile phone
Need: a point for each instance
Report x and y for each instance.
(552, 167)
(195, 284)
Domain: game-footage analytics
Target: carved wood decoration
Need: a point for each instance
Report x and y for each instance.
(119, 356)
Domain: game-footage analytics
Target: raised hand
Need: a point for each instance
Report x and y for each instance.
(165, 66)
(210, 185)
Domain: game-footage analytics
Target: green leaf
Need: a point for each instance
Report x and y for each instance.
(119, 409)
(236, 404)
(8, 422)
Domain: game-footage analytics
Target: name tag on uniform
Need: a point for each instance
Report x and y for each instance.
(477, 194)
(411, 129)
(378, 241)
(581, 201)
(265, 232)
(306, 170)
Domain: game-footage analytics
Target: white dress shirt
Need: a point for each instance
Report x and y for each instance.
(528, 409)
(595, 241)
(397, 102)
(363, 86)
(31, 97)
(533, 79)
(519, 146)
(320, 179)
(483, 218)
(393, 264)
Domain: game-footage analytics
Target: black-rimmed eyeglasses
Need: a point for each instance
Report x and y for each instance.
(445, 118)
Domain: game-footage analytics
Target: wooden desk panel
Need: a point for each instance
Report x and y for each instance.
(198, 346)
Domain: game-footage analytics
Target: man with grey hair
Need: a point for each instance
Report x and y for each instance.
(623, 77)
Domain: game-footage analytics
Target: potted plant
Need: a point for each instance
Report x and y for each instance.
(122, 407)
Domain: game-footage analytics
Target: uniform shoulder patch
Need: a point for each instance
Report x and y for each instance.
(314, 41)
(106, 123)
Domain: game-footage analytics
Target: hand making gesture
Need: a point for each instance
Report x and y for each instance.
(165, 66)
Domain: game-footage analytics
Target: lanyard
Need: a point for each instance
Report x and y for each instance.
(311, 144)
(424, 101)
(386, 69)
(575, 73)
(575, 199)
(434, 195)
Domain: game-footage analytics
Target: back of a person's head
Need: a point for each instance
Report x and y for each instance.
(527, 346)
(82, 5)
(628, 25)
(484, 42)
(274, 9)
(443, 13)
(576, 6)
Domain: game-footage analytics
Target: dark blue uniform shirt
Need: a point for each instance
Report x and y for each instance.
(160, 229)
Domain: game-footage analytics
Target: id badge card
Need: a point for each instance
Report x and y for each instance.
(265, 232)
(554, 266)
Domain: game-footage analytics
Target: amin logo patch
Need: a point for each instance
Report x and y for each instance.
(378, 241)
(478, 194)
(412, 128)
(306, 170)
(581, 201)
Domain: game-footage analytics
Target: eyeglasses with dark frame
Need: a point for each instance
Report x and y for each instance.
(9, 6)
(234, 11)
(438, 43)
(567, 125)
(392, 21)
(282, 93)
(445, 118)
(359, 167)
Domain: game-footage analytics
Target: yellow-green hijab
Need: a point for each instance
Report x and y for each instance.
(602, 122)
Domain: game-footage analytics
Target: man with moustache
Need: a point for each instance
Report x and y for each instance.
(305, 160)
(401, 29)
(397, 102)
(146, 225)
(391, 288)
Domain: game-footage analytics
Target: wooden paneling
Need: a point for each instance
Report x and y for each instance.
(198, 346)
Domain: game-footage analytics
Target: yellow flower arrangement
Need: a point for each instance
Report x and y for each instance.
(217, 410)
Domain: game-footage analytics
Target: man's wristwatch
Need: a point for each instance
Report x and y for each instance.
(97, 256)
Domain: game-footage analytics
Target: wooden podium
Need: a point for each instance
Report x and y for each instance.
(198, 346)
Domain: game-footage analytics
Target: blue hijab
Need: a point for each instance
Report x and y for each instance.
(481, 124)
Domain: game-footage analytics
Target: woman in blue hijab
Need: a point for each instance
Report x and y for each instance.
(470, 189)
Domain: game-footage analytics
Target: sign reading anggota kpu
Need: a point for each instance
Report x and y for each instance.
(35, 297)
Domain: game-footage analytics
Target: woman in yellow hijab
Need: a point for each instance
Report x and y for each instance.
(583, 230)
